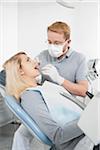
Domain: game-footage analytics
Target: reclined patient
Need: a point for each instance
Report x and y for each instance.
(21, 73)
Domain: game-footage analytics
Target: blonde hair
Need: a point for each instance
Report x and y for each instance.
(60, 27)
(15, 84)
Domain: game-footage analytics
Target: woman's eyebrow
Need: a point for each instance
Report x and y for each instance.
(27, 58)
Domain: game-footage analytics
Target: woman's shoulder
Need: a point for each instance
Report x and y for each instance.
(31, 98)
(31, 94)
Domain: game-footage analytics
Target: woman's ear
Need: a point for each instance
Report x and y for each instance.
(21, 72)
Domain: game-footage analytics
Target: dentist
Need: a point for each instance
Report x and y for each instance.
(61, 64)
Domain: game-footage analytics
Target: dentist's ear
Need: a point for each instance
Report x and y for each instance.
(66, 45)
(67, 42)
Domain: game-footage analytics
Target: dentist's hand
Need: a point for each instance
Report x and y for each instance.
(51, 71)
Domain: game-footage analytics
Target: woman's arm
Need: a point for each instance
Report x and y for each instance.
(35, 106)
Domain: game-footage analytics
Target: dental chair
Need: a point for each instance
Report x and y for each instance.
(89, 121)
(6, 116)
(23, 116)
(9, 108)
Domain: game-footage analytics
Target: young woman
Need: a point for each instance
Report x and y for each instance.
(21, 73)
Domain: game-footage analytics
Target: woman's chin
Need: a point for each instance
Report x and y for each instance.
(39, 78)
(37, 73)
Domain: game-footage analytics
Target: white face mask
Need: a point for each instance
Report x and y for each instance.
(55, 50)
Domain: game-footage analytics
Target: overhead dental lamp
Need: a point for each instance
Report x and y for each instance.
(65, 4)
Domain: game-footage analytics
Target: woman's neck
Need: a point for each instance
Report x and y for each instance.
(30, 81)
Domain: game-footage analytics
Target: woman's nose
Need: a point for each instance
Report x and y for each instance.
(37, 62)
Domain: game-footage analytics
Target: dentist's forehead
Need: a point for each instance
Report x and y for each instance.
(55, 36)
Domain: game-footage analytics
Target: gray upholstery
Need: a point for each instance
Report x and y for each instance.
(6, 116)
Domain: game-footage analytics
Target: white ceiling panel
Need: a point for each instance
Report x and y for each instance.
(49, 0)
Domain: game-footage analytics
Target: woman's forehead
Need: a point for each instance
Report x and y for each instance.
(23, 56)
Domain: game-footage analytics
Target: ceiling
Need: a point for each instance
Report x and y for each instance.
(49, 1)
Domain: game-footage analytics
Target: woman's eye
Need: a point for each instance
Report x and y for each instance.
(28, 59)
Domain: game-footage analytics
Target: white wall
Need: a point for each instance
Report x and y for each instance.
(24, 26)
(33, 21)
(35, 17)
(85, 36)
(9, 30)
